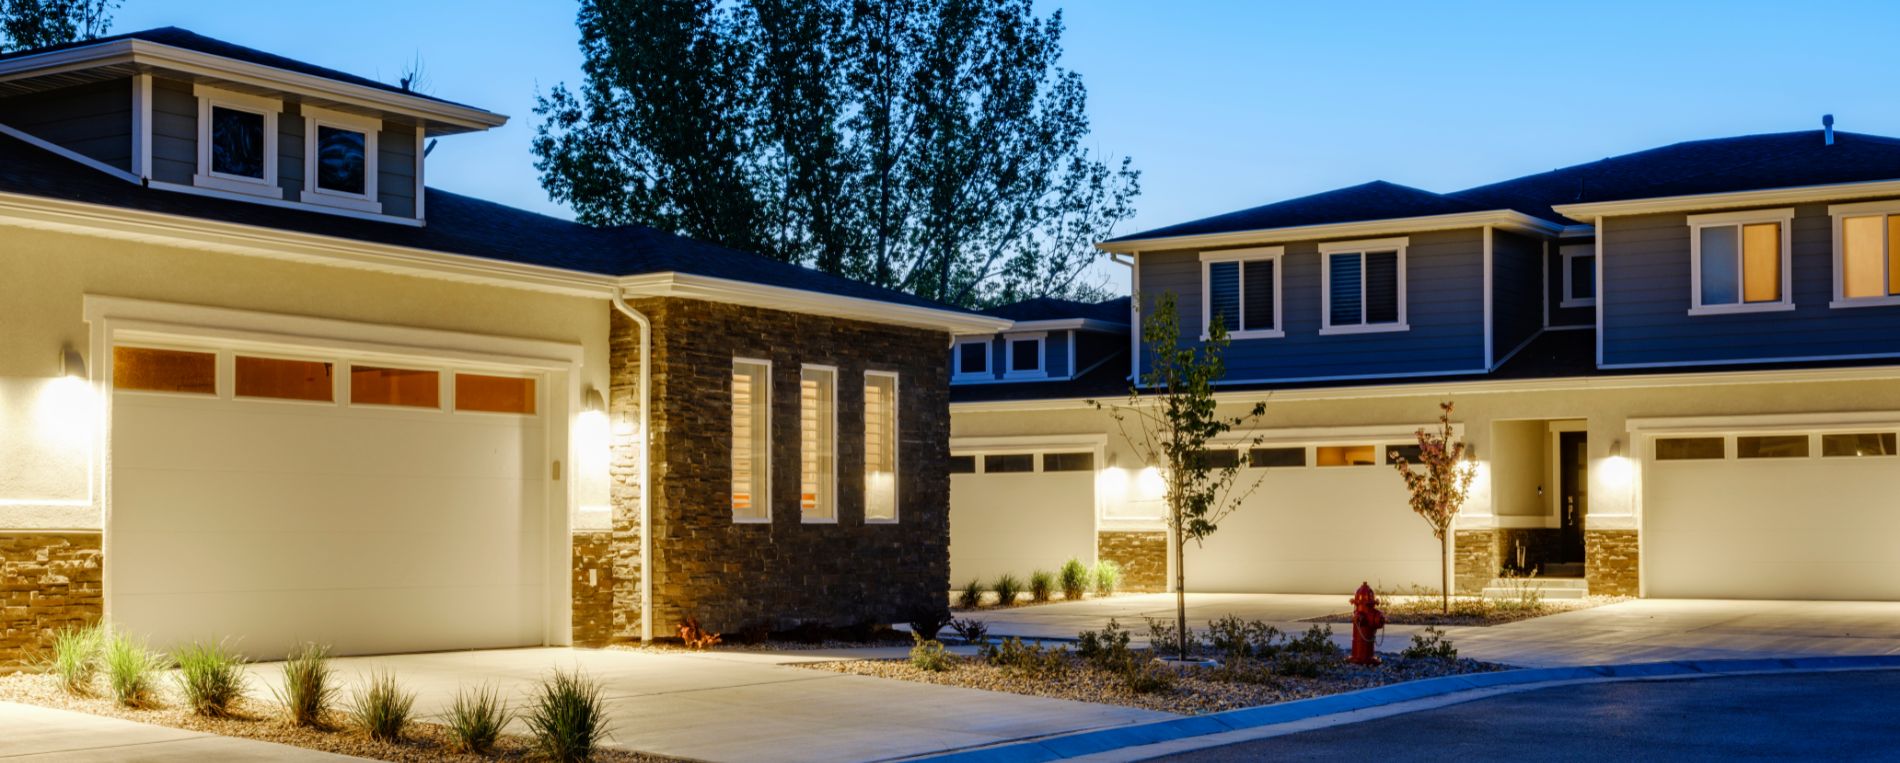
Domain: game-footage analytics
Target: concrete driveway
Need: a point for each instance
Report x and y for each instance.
(726, 706)
(30, 733)
(1642, 630)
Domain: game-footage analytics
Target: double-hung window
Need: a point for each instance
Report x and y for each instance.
(1579, 262)
(880, 446)
(818, 444)
(751, 440)
(1739, 262)
(1866, 254)
(237, 142)
(340, 159)
(1240, 291)
(1025, 353)
(972, 359)
(1363, 286)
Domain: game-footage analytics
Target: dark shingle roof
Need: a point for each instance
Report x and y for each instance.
(1107, 382)
(1377, 200)
(189, 40)
(1049, 309)
(457, 225)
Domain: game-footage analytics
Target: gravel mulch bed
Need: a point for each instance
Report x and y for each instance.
(1470, 611)
(261, 720)
(1197, 691)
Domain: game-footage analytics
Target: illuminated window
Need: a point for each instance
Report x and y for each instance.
(1267, 458)
(146, 368)
(880, 447)
(751, 440)
(407, 387)
(1857, 444)
(494, 394)
(1740, 261)
(1346, 455)
(284, 379)
(818, 444)
(1690, 448)
(1870, 259)
(1068, 462)
(1005, 463)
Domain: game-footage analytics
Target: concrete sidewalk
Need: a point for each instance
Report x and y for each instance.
(1642, 630)
(730, 706)
(30, 733)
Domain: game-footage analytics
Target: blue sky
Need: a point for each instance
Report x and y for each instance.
(1226, 105)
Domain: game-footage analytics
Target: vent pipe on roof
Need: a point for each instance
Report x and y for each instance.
(1827, 128)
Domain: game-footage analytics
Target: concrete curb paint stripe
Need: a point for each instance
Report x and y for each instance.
(1103, 740)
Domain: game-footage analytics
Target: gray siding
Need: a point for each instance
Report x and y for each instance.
(94, 120)
(396, 170)
(1444, 276)
(1645, 299)
(1055, 351)
(290, 151)
(1517, 291)
(174, 131)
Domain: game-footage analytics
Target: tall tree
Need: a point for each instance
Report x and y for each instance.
(1172, 426)
(933, 146)
(39, 23)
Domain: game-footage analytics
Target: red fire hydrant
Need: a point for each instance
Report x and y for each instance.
(1366, 622)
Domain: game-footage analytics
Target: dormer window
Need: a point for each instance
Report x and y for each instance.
(1025, 356)
(237, 142)
(972, 359)
(340, 159)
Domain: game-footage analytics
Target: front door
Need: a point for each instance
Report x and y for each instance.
(1573, 492)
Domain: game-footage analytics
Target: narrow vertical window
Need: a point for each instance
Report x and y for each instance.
(818, 444)
(751, 443)
(880, 447)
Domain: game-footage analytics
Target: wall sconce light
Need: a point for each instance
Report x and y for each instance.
(592, 402)
(1616, 448)
(71, 365)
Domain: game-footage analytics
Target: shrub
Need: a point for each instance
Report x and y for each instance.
(1041, 584)
(1106, 649)
(1430, 644)
(1006, 588)
(1148, 678)
(131, 670)
(1317, 640)
(971, 596)
(1107, 576)
(1074, 579)
(381, 708)
(566, 717)
(1013, 656)
(75, 658)
(695, 637)
(1303, 664)
(308, 689)
(211, 678)
(927, 623)
(972, 631)
(928, 654)
(1162, 634)
(1236, 639)
(475, 720)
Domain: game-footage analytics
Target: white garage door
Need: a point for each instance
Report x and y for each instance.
(276, 500)
(1796, 515)
(1020, 512)
(1323, 520)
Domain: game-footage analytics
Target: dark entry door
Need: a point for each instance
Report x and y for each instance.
(1573, 492)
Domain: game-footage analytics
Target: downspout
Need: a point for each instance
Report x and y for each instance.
(646, 481)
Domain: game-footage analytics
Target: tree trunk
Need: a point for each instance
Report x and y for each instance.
(1444, 569)
(1180, 593)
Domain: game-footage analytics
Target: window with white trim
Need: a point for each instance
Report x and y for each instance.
(1025, 354)
(818, 443)
(751, 440)
(1579, 263)
(1240, 288)
(1363, 286)
(237, 142)
(880, 446)
(1866, 253)
(972, 358)
(340, 159)
(1739, 261)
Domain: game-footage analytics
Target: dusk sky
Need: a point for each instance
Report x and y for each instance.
(1225, 105)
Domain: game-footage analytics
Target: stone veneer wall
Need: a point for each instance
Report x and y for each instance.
(784, 573)
(1143, 557)
(623, 413)
(593, 588)
(48, 581)
(1610, 562)
(1474, 555)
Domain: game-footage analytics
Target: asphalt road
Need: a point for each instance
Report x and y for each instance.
(1812, 716)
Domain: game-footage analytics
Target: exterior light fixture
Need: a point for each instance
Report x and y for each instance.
(1616, 448)
(71, 365)
(591, 402)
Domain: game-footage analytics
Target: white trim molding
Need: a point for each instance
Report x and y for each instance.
(1784, 218)
(267, 109)
(1503, 219)
(1764, 197)
(1334, 248)
(1839, 214)
(690, 286)
(1241, 258)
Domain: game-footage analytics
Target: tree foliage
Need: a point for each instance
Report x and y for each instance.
(39, 23)
(1439, 487)
(1175, 423)
(933, 146)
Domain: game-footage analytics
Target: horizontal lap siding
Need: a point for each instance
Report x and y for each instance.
(1517, 281)
(174, 131)
(94, 120)
(1646, 294)
(396, 170)
(1444, 307)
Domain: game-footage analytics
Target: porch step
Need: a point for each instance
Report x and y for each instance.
(1551, 588)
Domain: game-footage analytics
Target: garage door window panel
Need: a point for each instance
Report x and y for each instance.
(1412, 454)
(401, 387)
(150, 369)
(1009, 463)
(1346, 455)
(963, 464)
(494, 394)
(286, 379)
(1272, 458)
(1857, 445)
(1771, 446)
(1068, 462)
(1690, 448)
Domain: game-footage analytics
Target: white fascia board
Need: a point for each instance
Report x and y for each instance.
(707, 288)
(1559, 384)
(1069, 324)
(1504, 219)
(1764, 197)
(439, 114)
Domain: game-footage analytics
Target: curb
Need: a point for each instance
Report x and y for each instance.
(1102, 740)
